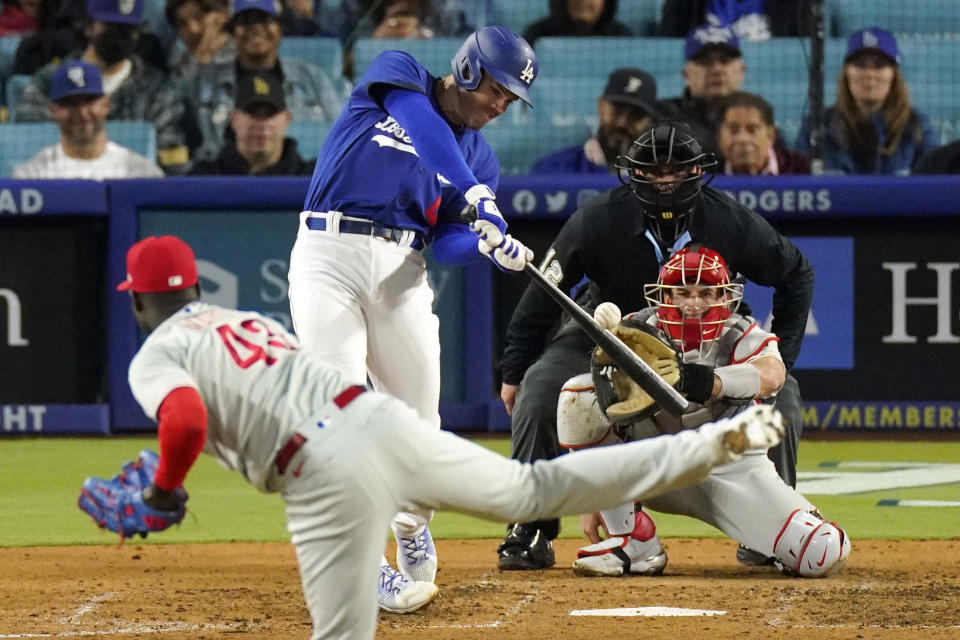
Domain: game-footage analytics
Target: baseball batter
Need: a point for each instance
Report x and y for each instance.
(236, 385)
(401, 163)
(728, 363)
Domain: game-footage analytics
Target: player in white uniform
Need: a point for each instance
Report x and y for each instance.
(236, 385)
(728, 363)
(401, 163)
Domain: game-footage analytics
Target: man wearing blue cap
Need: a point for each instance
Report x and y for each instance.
(309, 92)
(713, 71)
(79, 106)
(137, 91)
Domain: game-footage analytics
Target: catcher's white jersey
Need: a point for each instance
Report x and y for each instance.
(747, 500)
(116, 162)
(754, 343)
(257, 385)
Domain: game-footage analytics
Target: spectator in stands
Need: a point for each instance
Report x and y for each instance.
(713, 71)
(64, 27)
(309, 92)
(749, 142)
(79, 107)
(749, 19)
(404, 19)
(872, 129)
(625, 109)
(578, 18)
(940, 161)
(137, 91)
(256, 143)
(19, 17)
(200, 27)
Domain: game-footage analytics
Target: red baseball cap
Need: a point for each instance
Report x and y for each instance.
(158, 264)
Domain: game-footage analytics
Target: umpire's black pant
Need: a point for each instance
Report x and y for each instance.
(533, 426)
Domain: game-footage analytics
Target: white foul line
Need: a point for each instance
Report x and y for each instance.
(919, 503)
(94, 602)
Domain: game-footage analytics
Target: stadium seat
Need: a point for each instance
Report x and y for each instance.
(12, 90)
(583, 57)
(435, 54)
(309, 136)
(155, 19)
(566, 101)
(325, 53)
(19, 141)
(926, 16)
(517, 14)
(8, 47)
(642, 16)
(519, 144)
(778, 70)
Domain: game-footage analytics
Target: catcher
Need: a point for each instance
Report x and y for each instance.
(237, 385)
(723, 362)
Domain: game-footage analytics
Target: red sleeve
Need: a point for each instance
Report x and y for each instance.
(182, 431)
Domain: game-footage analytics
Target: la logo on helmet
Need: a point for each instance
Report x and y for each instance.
(527, 74)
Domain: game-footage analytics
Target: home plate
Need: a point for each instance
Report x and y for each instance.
(647, 611)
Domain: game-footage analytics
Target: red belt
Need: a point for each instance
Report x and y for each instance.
(296, 440)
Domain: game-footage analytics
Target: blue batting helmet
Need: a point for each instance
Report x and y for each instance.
(501, 53)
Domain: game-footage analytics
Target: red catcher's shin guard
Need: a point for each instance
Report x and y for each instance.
(643, 526)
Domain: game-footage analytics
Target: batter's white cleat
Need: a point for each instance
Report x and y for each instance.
(621, 555)
(416, 555)
(396, 594)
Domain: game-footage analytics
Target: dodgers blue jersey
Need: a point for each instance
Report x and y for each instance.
(369, 168)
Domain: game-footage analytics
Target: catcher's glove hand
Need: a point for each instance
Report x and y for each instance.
(118, 505)
(622, 399)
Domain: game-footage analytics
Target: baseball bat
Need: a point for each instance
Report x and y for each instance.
(666, 397)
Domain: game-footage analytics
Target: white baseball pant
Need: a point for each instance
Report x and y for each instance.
(365, 306)
(746, 499)
(377, 456)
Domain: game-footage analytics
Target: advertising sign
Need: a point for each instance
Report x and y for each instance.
(52, 310)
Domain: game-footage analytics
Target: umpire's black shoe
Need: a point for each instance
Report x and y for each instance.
(751, 558)
(525, 548)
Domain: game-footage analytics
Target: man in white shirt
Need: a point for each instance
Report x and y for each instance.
(79, 107)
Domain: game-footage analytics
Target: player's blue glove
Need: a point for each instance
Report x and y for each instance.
(511, 255)
(486, 220)
(139, 473)
(121, 509)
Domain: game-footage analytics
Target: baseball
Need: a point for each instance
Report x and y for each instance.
(607, 315)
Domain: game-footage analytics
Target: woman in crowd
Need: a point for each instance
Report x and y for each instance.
(872, 129)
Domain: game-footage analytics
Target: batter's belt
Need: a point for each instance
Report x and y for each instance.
(334, 221)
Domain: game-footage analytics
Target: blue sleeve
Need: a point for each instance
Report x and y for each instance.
(455, 244)
(431, 136)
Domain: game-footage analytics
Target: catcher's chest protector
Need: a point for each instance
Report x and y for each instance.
(719, 355)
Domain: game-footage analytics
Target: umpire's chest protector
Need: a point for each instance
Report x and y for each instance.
(618, 257)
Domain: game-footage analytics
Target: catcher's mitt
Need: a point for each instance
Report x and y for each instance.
(118, 505)
(622, 399)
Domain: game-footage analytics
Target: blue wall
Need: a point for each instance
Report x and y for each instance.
(866, 237)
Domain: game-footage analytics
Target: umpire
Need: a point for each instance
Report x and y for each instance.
(618, 241)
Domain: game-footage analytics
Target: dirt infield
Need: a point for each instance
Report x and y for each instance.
(252, 592)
